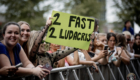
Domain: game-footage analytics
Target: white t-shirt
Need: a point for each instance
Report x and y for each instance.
(81, 56)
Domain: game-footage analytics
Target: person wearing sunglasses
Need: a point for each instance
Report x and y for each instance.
(130, 45)
(130, 42)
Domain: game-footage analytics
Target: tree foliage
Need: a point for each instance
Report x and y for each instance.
(25, 10)
(128, 10)
(90, 8)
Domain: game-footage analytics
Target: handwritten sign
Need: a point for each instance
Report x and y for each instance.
(70, 30)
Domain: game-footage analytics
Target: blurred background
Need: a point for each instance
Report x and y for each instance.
(111, 13)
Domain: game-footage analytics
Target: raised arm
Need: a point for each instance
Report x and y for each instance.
(100, 55)
(61, 54)
(39, 40)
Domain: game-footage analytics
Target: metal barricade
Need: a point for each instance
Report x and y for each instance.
(79, 71)
(83, 72)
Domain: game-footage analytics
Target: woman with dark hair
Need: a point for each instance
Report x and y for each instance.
(11, 53)
(115, 56)
(0, 35)
(128, 27)
(136, 45)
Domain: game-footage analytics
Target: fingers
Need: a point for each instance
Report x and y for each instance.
(110, 53)
(39, 76)
(105, 51)
(42, 74)
(12, 67)
(50, 18)
(49, 22)
(95, 67)
(46, 70)
(40, 66)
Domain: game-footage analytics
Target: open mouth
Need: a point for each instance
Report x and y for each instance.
(25, 37)
(12, 39)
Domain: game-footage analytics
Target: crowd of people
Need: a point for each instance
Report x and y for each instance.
(21, 45)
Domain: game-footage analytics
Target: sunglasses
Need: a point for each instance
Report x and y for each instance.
(128, 39)
(44, 41)
(137, 38)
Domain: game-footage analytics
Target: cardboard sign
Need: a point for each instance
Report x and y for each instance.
(70, 30)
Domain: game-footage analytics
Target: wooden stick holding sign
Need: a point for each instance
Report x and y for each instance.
(70, 30)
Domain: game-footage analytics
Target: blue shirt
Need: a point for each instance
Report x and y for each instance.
(16, 51)
(130, 30)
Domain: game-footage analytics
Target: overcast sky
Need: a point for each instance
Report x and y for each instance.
(110, 10)
(110, 13)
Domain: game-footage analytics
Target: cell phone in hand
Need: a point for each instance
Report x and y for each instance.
(47, 66)
(111, 52)
(93, 67)
(105, 47)
(19, 65)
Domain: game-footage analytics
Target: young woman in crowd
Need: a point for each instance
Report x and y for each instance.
(33, 40)
(99, 44)
(80, 57)
(115, 57)
(130, 43)
(54, 48)
(136, 45)
(122, 44)
(11, 53)
(24, 36)
(69, 60)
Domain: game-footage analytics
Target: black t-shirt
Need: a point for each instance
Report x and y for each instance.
(136, 48)
(91, 54)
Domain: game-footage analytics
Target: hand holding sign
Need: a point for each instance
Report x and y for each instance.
(49, 22)
(70, 30)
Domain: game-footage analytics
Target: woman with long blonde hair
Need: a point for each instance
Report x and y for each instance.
(32, 41)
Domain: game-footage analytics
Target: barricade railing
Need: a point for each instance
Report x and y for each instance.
(106, 72)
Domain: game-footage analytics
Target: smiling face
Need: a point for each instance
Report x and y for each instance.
(111, 42)
(25, 33)
(11, 35)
